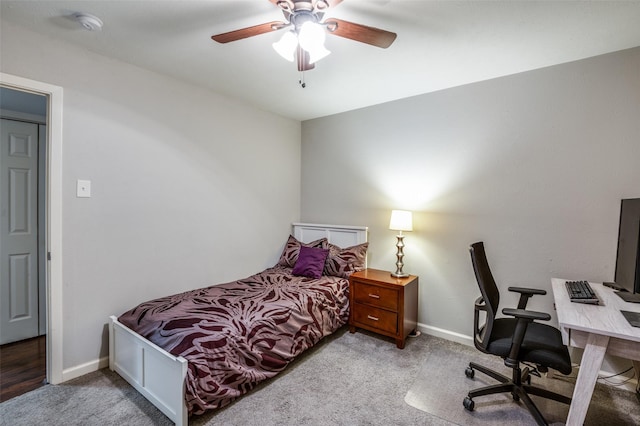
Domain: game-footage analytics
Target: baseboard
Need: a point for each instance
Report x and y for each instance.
(446, 334)
(86, 368)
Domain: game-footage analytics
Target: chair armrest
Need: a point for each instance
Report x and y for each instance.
(525, 294)
(524, 318)
(529, 315)
(525, 290)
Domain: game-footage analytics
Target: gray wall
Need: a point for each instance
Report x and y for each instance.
(182, 187)
(533, 164)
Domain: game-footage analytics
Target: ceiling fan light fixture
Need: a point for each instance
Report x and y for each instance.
(304, 39)
(286, 46)
(318, 53)
(311, 38)
(311, 35)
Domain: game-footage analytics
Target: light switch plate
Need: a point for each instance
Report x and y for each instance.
(83, 189)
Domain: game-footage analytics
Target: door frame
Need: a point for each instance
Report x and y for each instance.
(54, 216)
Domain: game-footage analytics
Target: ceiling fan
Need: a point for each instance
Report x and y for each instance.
(305, 38)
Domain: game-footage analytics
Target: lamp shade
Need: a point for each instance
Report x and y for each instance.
(401, 220)
(318, 53)
(311, 35)
(311, 39)
(287, 45)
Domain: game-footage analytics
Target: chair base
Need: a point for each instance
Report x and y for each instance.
(519, 386)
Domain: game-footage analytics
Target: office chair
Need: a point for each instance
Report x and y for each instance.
(516, 339)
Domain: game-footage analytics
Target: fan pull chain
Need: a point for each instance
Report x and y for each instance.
(301, 81)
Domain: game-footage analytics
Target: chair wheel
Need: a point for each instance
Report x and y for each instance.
(516, 397)
(469, 372)
(468, 404)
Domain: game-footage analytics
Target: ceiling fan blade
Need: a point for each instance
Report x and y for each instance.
(303, 59)
(361, 33)
(248, 32)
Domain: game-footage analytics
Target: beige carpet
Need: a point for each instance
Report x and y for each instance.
(441, 385)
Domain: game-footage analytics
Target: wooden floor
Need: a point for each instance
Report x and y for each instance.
(22, 367)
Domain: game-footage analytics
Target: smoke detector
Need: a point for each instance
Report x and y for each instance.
(88, 22)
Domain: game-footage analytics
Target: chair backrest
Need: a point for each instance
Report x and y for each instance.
(490, 295)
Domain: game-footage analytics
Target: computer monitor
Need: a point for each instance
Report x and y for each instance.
(628, 257)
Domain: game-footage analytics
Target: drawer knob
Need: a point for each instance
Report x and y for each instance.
(375, 296)
(373, 318)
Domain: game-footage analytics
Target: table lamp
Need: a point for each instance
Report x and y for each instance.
(400, 221)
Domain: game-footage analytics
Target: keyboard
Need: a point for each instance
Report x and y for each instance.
(581, 292)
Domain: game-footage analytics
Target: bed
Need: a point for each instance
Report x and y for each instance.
(200, 350)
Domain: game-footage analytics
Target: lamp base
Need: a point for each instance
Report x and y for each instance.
(399, 255)
(400, 275)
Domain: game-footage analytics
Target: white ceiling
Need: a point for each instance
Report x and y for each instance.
(440, 44)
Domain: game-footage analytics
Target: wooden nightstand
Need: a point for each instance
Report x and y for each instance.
(383, 304)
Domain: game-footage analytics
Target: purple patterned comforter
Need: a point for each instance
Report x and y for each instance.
(237, 334)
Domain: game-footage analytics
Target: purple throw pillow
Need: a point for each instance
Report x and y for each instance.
(310, 262)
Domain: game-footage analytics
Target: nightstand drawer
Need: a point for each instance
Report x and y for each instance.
(375, 295)
(376, 318)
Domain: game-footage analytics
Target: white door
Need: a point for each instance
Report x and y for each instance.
(18, 231)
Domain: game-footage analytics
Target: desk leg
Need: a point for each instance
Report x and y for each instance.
(587, 375)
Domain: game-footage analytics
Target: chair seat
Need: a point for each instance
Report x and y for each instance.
(542, 344)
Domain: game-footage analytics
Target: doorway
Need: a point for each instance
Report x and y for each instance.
(53, 214)
(23, 281)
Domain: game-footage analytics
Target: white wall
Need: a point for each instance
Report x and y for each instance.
(182, 185)
(534, 164)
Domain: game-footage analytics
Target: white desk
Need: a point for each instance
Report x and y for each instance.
(598, 329)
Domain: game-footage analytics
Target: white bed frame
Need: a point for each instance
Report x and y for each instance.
(160, 376)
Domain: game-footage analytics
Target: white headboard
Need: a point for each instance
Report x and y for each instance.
(340, 235)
